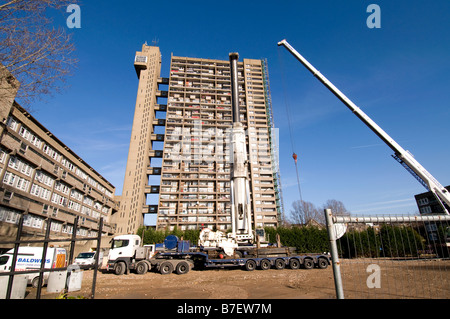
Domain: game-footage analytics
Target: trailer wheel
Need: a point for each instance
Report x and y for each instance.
(182, 268)
(250, 265)
(265, 264)
(322, 263)
(119, 268)
(294, 263)
(308, 263)
(166, 268)
(237, 254)
(141, 268)
(280, 264)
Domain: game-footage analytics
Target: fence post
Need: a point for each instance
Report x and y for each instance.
(72, 242)
(334, 254)
(14, 259)
(97, 256)
(44, 256)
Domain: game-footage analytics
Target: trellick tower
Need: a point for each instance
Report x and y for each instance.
(139, 163)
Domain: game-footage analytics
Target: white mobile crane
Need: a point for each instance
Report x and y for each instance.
(404, 157)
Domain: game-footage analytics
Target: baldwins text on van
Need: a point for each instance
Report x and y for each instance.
(31, 260)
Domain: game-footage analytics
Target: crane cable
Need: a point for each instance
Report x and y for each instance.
(294, 155)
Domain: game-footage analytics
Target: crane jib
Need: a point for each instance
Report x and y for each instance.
(406, 159)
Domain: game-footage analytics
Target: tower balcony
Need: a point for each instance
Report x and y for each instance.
(153, 170)
(140, 63)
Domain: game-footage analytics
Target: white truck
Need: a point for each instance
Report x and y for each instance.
(29, 258)
(126, 253)
(86, 260)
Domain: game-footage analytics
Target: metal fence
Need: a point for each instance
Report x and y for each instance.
(394, 257)
(45, 242)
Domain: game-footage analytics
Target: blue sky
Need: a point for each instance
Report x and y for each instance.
(397, 74)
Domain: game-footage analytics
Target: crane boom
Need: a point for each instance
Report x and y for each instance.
(404, 157)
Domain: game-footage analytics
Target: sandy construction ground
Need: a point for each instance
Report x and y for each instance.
(387, 279)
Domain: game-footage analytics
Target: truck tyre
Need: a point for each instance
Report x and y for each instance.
(119, 268)
(308, 263)
(280, 264)
(166, 268)
(182, 268)
(250, 265)
(141, 268)
(35, 282)
(294, 263)
(322, 263)
(265, 264)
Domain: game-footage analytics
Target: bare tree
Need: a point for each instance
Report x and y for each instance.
(303, 212)
(337, 207)
(38, 55)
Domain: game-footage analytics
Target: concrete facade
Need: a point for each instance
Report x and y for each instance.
(41, 177)
(133, 199)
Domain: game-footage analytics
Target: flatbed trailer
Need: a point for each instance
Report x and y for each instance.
(127, 254)
(182, 262)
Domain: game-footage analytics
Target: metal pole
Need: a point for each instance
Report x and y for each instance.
(234, 87)
(390, 219)
(334, 255)
(72, 242)
(97, 255)
(44, 256)
(14, 259)
(71, 253)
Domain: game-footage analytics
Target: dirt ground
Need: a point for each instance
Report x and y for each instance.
(397, 279)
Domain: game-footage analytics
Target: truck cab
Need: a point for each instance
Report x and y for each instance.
(124, 246)
(126, 253)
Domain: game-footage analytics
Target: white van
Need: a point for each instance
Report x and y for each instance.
(29, 258)
(87, 259)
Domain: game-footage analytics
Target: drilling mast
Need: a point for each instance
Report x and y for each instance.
(241, 216)
(240, 187)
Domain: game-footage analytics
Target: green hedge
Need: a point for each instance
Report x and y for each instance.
(305, 239)
(152, 236)
(389, 241)
(308, 239)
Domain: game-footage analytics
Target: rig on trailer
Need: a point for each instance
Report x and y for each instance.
(180, 257)
(241, 247)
